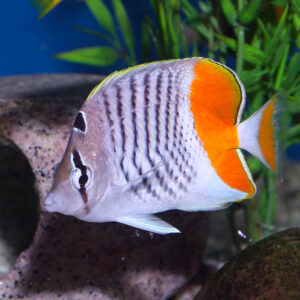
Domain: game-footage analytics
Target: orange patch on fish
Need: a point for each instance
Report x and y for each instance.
(216, 97)
(266, 135)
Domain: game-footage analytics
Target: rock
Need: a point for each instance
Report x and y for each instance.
(195, 284)
(71, 259)
(269, 269)
(18, 206)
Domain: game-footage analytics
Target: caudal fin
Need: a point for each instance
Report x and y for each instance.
(258, 134)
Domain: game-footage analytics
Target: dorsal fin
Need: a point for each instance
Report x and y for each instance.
(218, 90)
(117, 74)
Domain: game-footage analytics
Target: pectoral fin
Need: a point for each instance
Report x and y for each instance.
(150, 223)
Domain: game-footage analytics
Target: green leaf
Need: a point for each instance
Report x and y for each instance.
(195, 51)
(257, 101)
(96, 34)
(184, 43)
(252, 54)
(281, 3)
(230, 42)
(263, 29)
(252, 77)
(199, 27)
(292, 71)
(276, 35)
(154, 36)
(278, 54)
(173, 28)
(295, 85)
(229, 11)
(250, 11)
(162, 24)
(296, 6)
(145, 42)
(294, 131)
(95, 56)
(254, 88)
(124, 23)
(101, 14)
(188, 9)
(254, 164)
(281, 68)
(44, 6)
(205, 7)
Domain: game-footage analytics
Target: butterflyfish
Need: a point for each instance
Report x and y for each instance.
(162, 136)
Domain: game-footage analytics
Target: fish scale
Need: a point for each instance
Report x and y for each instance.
(161, 136)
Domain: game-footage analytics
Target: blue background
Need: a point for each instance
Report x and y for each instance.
(28, 45)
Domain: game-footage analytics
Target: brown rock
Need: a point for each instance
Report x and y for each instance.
(269, 269)
(71, 259)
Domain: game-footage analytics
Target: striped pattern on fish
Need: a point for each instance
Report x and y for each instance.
(165, 135)
(150, 124)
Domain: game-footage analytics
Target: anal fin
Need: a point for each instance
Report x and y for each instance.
(233, 170)
(150, 223)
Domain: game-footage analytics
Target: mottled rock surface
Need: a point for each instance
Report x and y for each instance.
(71, 259)
(270, 269)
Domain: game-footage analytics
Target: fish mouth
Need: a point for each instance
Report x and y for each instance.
(49, 203)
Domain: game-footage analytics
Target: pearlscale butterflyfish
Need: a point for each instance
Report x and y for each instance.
(162, 136)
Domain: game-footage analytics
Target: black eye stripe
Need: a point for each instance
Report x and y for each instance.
(80, 122)
(78, 162)
(83, 179)
(77, 159)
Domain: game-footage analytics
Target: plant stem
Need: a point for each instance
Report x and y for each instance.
(271, 204)
(240, 34)
(251, 220)
(281, 68)
(294, 131)
(233, 228)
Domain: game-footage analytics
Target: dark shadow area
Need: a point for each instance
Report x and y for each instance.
(19, 203)
(112, 259)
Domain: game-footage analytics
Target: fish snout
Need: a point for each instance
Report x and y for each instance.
(49, 203)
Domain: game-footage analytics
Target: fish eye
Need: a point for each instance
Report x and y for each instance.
(81, 178)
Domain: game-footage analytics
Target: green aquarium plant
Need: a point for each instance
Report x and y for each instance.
(261, 39)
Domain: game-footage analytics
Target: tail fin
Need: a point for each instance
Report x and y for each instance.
(258, 134)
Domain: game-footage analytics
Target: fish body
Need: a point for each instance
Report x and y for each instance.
(161, 136)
